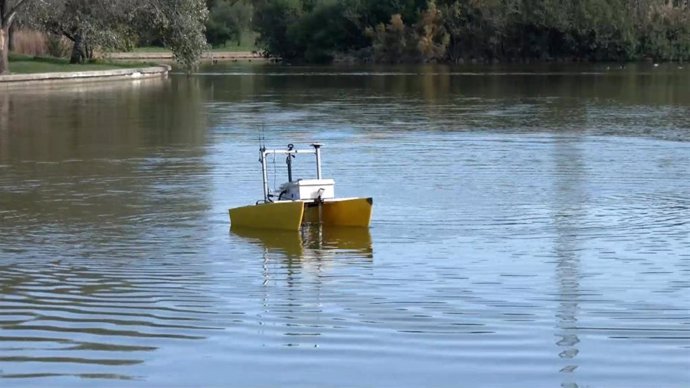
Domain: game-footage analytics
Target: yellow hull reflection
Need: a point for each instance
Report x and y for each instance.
(311, 240)
(291, 215)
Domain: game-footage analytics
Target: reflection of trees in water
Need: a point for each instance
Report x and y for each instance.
(97, 119)
(4, 123)
(101, 186)
(443, 97)
(101, 161)
(570, 205)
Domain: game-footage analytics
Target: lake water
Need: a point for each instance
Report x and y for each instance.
(531, 228)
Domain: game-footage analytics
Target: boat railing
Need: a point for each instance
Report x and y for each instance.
(290, 152)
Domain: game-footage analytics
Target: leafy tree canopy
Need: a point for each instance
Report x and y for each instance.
(115, 24)
(481, 30)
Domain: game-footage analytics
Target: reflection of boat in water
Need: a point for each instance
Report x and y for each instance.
(311, 241)
(302, 201)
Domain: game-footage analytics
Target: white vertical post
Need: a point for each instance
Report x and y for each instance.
(264, 172)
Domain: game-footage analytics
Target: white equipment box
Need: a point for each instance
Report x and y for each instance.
(309, 189)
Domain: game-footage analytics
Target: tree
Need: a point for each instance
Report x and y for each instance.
(228, 19)
(89, 24)
(323, 32)
(482, 30)
(8, 13)
(433, 36)
(113, 24)
(182, 25)
(272, 18)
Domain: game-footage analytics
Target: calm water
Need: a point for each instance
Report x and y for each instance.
(530, 229)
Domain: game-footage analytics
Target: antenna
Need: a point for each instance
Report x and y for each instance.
(262, 138)
(264, 167)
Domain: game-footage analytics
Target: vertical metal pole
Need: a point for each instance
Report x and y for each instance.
(289, 162)
(317, 151)
(289, 165)
(264, 172)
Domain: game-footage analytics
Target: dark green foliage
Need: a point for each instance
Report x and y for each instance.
(475, 30)
(220, 26)
(271, 20)
(316, 30)
(228, 19)
(591, 30)
(322, 32)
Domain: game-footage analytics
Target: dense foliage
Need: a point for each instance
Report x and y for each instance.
(111, 24)
(108, 25)
(392, 31)
(228, 21)
(477, 30)
(9, 9)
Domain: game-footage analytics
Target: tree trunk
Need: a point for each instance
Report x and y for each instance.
(10, 37)
(89, 51)
(4, 48)
(78, 50)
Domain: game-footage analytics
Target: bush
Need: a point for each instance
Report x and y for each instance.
(323, 32)
(271, 21)
(425, 41)
(30, 42)
(40, 44)
(58, 46)
(483, 30)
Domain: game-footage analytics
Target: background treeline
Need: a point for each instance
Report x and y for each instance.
(397, 31)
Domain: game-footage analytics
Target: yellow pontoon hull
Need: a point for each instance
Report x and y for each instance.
(274, 215)
(290, 215)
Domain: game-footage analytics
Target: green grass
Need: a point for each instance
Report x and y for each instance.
(229, 47)
(24, 64)
(233, 47)
(151, 49)
(246, 45)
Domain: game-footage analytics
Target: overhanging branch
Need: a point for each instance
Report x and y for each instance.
(8, 14)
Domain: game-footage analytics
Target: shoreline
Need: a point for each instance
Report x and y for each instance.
(134, 73)
(144, 72)
(206, 56)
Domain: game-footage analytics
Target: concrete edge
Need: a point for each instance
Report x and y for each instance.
(92, 75)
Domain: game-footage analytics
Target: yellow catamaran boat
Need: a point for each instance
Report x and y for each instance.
(301, 201)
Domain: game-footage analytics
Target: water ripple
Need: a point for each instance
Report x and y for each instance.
(528, 230)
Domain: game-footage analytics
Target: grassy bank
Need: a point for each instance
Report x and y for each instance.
(232, 48)
(246, 44)
(228, 48)
(25, 64)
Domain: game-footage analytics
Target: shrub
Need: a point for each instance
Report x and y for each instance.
(58, 46)
(30, 42)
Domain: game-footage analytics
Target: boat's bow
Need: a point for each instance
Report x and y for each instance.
(273, 215)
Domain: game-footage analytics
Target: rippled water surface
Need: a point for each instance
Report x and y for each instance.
(530, 229)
